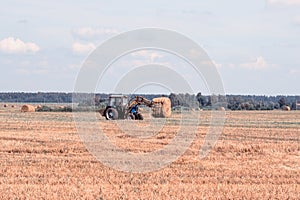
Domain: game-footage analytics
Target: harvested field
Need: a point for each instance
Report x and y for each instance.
(257, 156)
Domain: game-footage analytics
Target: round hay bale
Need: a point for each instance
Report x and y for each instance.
(162, 107)
(60, 108)
(13, 106)
(5, 105)
(286, 108)
(28, 108)
(221, 109)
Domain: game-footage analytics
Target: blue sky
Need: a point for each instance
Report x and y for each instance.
(254, 44)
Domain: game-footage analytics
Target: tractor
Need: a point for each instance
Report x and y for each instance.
(119, 107)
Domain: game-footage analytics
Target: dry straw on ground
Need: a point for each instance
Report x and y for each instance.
(28, 108)
(256, 157)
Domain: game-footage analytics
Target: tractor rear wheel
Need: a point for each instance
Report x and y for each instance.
(111, 114)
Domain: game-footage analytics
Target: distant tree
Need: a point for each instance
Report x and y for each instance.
(294, 106)
(201, 99)
(271, 105)
(174, 100)
(282, 102)
(276, 105)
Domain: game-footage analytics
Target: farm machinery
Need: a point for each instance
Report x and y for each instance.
(120, 107)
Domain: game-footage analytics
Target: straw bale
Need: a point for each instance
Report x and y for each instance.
(162, 107)
(286, 108)
(28, 108)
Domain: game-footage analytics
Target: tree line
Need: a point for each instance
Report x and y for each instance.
(235, 102)
(188, 101)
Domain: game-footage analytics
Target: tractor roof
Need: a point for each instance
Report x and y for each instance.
(117, 95)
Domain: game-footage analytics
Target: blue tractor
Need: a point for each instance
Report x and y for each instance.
(120, 108)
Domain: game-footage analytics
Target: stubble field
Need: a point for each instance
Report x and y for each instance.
(257, 156)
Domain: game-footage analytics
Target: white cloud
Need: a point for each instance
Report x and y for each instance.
(17, 46)
(211, 63)
(258, 64)
(83, 48)
(91, 33)
(297, 20)
(73, 66)
(151, 56)
(26, 71)
(195, 53)
(284, 2)
(294, 72)
(218, 65)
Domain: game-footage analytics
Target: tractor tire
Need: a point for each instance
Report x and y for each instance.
(111, 114)
(139, 116)
(130, 116)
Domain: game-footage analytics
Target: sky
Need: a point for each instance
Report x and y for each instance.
(254, 44)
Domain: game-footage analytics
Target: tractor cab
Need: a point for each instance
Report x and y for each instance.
(117, 100)
(116, 108)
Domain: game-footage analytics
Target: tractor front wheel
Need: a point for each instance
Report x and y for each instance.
(131, 116)
(139, 116)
